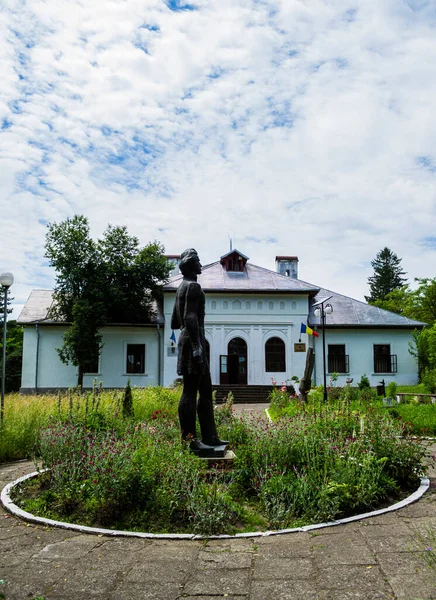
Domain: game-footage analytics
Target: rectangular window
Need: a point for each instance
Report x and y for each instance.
(384, 361)
(135, 358)
(338, 361)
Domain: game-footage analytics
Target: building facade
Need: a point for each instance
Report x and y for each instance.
(253, 329)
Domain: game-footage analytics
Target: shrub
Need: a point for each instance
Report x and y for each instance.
(429, 380)
(392, 390)
(127, 401)
(363, 383)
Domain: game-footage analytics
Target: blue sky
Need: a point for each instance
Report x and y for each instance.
(296, 127)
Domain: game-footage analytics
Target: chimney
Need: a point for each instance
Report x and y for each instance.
(174, 259)
(287, 266)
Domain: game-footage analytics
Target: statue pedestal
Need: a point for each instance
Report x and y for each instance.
(210, 451)
(226, 459)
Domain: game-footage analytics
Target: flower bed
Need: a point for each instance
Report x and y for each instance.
(127, 473)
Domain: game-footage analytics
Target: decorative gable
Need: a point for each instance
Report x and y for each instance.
(234, 261)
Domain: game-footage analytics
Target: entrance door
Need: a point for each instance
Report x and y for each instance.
(237, 361)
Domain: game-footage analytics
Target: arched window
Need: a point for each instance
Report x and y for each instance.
(275, 355)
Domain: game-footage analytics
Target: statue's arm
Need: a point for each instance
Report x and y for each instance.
(191, 318)
(175, 323)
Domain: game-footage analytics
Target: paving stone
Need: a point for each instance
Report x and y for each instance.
(12, 557)
(396, 529)
(231, 545)
(218, 581)
(342, 550)
(32, 579)
(272, 567)
(85, 581)
(292, 545)
(355, 595)
(394, 544)
(225, 560)
(422, 525)
(69, 549)
(420, 586)
(220, 597)
(170, 569)
(283, 590)
(165, 590)
(352, 577)
(392, 563)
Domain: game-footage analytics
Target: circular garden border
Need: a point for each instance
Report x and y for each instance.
(22, 514)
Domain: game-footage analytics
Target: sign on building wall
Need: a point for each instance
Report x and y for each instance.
(300, 347)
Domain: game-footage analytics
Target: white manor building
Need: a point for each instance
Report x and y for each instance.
(253, 324)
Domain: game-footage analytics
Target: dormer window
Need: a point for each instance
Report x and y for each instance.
(234, 261)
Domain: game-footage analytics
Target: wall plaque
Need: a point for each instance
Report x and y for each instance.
(300, 347)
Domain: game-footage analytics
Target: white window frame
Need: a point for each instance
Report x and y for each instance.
(134, 343)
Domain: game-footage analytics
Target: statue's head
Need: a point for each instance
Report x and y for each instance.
(190, 262)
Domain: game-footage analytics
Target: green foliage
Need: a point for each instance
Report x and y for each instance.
(423, 301)
(25, 416)
(418, 419)
(327, 461)
(127, 400)
(14, 355)
(429, 380)
(391, 390)
(281, 395)
(387, 275)
(364, 382)
(109, 280)
(397, 301)
(2, 303)
(423, 348)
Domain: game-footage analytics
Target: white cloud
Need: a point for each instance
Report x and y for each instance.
(298, 127)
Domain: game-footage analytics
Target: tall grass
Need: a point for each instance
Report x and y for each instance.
(25, 415)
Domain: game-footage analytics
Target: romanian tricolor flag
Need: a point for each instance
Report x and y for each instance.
(308, 330)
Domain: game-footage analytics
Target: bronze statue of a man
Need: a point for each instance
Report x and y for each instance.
(188, 316)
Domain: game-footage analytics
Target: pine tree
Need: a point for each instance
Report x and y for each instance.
(387, 275)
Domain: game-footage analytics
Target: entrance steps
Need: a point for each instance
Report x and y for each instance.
(243, 394)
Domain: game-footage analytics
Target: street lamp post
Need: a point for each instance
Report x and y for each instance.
(6, 280)
(321, 311)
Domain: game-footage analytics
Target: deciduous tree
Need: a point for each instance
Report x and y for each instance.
(111, 280)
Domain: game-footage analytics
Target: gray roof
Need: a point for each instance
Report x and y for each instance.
(348, 312)
(254, 279)
(37, 307)
(39, 303)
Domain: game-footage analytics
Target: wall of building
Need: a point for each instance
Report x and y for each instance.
(252, 317)
(359, 345)
(51, 373)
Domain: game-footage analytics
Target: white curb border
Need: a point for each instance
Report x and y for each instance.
(22, 514)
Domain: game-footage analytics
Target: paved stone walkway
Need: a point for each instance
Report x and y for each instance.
(374, 559)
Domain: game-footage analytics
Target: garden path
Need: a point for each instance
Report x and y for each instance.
(374, 559)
